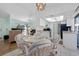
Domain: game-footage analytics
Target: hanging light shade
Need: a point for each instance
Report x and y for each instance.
(40, 6)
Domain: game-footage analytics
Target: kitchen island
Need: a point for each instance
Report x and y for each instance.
(70, 40)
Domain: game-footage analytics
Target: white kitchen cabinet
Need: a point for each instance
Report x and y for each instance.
(70, 40)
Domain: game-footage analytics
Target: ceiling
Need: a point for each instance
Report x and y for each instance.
(24, 10)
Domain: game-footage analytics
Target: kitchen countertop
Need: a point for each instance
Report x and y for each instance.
(69, 32)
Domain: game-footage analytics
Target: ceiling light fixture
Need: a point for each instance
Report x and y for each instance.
(55, 19)
(40, 6)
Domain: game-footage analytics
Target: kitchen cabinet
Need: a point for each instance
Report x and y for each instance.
(12, 35)
(70, 40)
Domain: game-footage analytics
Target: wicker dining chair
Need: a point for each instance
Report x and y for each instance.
(41, 48)
(20, 43)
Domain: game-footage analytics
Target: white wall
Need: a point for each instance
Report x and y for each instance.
(15, 22)
(4, 26)
(51, 27)
(54, 29)
(4, 23)
(36, 21)
(42, 22)
(3, 14)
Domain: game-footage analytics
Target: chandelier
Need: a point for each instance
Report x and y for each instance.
(40, 6)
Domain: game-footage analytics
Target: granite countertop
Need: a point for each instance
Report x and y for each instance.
(69, 32)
